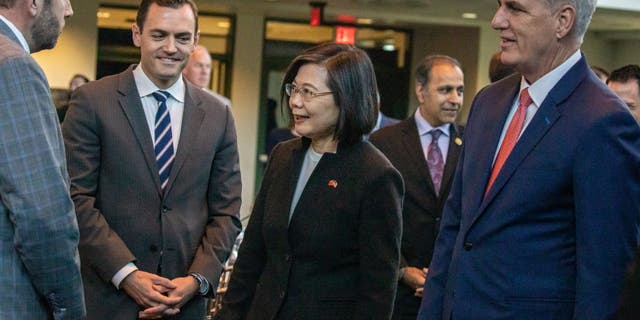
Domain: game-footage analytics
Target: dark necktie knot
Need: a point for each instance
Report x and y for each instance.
(435, 135)
(161, 96)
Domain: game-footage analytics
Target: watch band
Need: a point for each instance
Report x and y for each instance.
(203, 284)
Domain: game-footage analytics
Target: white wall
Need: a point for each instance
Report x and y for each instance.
(599, 51)
(77, 48)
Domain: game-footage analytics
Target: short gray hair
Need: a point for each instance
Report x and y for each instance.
(584, 12)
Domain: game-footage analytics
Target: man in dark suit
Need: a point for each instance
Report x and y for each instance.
(39, 263)
(412, 149)
(155, 177)
(625, 82)
(541, 220)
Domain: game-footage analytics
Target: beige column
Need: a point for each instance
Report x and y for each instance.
(77, 48)
(245, 93)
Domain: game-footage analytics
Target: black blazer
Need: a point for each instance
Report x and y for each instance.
(422, 206)
(338, 257)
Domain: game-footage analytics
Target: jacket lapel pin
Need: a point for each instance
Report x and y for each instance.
(333, 183)
(458, 141)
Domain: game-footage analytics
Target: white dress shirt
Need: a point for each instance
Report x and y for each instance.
(425, 138)
(538, 92)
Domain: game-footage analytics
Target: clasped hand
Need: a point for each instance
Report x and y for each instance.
(158, 295)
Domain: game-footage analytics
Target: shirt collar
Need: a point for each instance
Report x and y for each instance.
(541, 88)
(21, 39)
(424, 127)
(146, 87)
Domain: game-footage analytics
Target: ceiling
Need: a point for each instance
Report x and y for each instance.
(608, 23)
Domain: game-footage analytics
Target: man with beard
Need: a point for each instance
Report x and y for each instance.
(154, 176)
(39, 265)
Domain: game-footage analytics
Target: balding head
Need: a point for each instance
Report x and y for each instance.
(198, 69)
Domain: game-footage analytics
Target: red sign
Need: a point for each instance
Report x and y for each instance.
(316, 16)
(345, 35)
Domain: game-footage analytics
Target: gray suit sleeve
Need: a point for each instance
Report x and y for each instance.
(224, 192)
(34, 187)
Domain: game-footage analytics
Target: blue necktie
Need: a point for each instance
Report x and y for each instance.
(164, 140)
(434, 160)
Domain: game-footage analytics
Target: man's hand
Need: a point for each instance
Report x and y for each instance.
(414, 277)
(184, 289)
(147, 289)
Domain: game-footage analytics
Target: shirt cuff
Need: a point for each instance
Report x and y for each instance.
(123, 273)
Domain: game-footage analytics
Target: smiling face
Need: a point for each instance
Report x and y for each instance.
(441, 97)
(530, 31)
(317, 118)
(166, 40)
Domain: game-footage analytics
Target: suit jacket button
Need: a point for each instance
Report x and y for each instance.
(468, 246)
(281, 294)
(165, 209)
(287, 257)
(153, 248)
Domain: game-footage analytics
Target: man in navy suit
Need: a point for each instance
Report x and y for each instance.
(541, 220)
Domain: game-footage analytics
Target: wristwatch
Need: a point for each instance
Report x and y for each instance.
(202, 283)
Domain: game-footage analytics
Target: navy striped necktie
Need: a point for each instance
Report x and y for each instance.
(163, 138)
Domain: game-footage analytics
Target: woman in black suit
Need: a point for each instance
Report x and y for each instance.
(323, 241)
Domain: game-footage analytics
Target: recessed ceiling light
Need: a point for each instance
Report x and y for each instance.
(470, 15)
(223, 24)
(365, 21)
(104, 14)
(389, 47)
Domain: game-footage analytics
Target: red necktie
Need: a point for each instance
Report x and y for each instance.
(511, 137)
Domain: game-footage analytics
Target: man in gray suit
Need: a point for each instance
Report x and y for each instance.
(154, 176)
(39, 265)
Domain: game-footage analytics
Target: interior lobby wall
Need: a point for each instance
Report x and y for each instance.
(77, 48)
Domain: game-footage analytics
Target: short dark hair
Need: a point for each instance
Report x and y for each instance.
(424, 68)
(81, 76)
(497, 69)
(352, 80)
(626, 73)
(8, 4)
(601, 72)
(143, 9)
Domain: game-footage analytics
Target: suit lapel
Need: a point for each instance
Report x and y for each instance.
(5, 30)
(191, 122)
(547, 115)
(412, 146)
(455, 145)
(132, 108)
(296, 165)
(493, 115)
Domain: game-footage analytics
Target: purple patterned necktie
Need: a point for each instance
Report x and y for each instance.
(434, 160)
